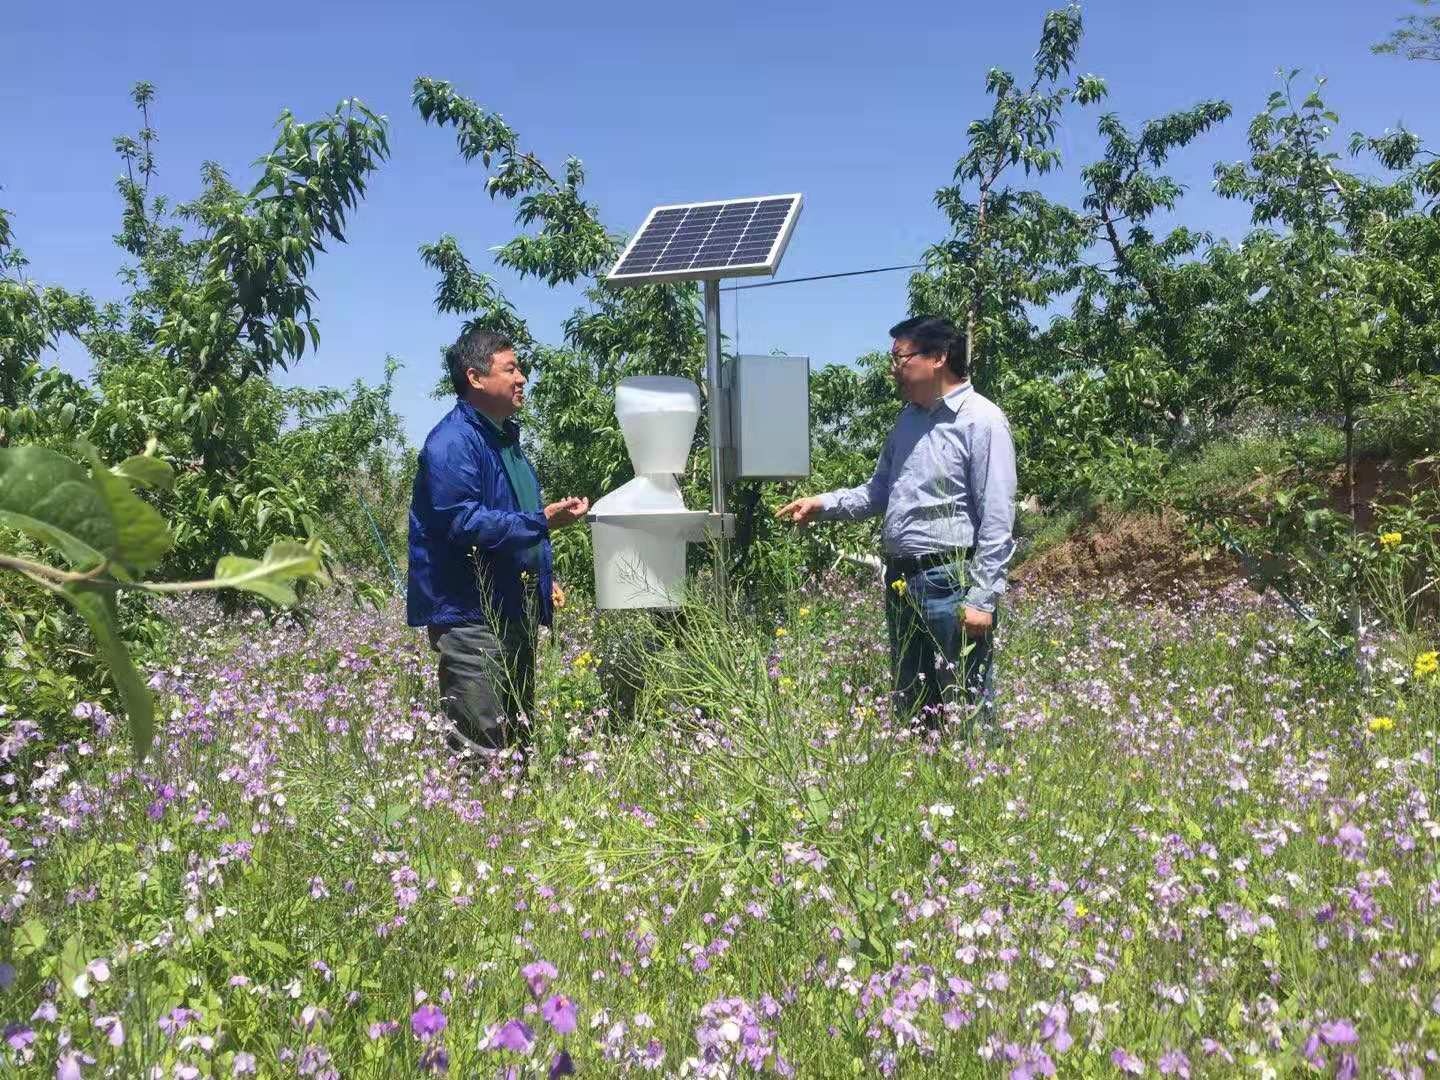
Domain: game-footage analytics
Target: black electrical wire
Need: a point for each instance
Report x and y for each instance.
(822, 277)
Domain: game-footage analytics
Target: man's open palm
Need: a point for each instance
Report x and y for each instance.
(566, 511)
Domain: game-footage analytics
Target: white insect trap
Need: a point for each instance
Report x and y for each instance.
(640, 530)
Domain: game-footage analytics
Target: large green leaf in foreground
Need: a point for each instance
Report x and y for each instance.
(89, 518)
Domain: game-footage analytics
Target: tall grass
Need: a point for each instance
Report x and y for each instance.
(1198, 851)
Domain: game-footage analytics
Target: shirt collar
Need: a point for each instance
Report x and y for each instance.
(952, 400)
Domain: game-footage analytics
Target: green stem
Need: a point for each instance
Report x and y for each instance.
(51, 575)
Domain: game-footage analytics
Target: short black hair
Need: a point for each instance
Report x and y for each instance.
(935, 336)
(475, 348)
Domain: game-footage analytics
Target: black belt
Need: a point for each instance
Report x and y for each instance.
(905, 565)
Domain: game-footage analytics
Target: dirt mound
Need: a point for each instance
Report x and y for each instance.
(1127, 554)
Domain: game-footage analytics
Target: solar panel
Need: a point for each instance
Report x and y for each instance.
(690, 241)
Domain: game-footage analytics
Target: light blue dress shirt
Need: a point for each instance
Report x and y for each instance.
(945, 480)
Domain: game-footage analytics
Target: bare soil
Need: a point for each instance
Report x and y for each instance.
(1129, 554)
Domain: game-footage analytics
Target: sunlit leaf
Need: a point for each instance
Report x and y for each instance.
(271, 577)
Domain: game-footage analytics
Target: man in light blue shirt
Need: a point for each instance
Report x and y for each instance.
(945, 485)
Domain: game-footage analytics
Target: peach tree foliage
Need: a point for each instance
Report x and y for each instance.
(217, 297)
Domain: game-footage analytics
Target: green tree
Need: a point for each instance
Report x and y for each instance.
(1009, 249)
(651, 330)
(217, 298)
(1343, 313)
(1418, 36)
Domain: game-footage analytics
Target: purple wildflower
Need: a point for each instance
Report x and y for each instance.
(512, 1035)
(427, 1021)
(559, 1013)
(538, 975)
(1338, 1033)
(1054, 1028)
(1174, 1063)
(562, 1065)
(1127, 1063)
(112, 1027)
(18, 1036)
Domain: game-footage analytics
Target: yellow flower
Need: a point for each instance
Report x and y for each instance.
(583, 661)
(804, 611)
(1381, 723)
(899, 586)
(1391, 539)
(1081, 910)
(786, 683)
(1426, 664)
(780, 631)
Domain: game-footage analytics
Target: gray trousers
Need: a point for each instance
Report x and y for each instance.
(487, 683)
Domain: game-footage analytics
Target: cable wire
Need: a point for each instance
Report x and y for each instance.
(822, 277)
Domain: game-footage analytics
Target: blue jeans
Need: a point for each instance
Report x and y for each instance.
(932, 662)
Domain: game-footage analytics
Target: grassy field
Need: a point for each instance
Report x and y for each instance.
(1196, 850)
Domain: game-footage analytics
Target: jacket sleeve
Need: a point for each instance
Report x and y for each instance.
(456, 487)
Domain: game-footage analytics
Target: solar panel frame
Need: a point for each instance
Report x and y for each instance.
(676, 229)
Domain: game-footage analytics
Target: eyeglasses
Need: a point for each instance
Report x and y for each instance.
(898, 359)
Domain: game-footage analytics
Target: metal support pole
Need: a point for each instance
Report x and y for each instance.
(719, 427)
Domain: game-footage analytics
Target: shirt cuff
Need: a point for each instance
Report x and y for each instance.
(981, 599)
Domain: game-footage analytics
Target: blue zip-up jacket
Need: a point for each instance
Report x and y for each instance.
(467, 530)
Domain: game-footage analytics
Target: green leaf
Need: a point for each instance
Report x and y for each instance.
(31, 937)
(49, 498)
(818, 805)
(142, 538)
(285, 561)
(72, 961)
(98, 607)
(88, 519)
(147, 471)
(273, 948)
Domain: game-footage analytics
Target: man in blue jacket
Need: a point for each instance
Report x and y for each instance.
(480, 561)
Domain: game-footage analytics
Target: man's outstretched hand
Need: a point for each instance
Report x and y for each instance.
(800, 511)
(566, 511)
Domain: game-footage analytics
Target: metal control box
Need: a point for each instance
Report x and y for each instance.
(768, 402)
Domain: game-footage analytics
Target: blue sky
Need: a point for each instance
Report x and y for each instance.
(862, 107)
